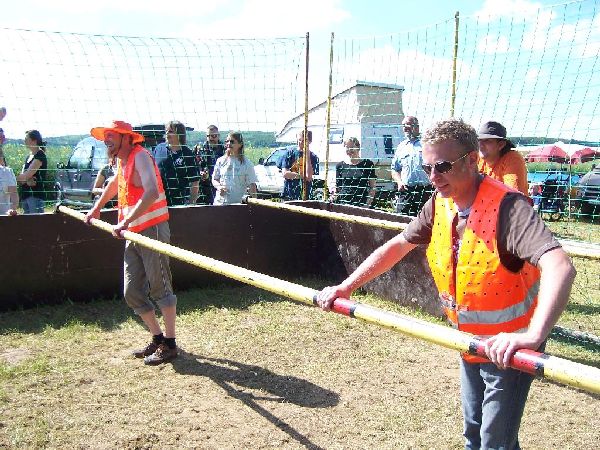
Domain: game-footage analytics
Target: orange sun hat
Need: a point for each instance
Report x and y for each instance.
(118, 126)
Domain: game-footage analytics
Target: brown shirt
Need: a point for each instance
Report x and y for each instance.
(521, 233)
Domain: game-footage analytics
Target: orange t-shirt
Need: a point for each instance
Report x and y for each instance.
(509, 169)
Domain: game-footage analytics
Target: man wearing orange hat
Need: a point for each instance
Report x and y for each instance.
(143, 209)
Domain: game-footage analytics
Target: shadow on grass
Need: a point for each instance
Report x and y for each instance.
(237, 378)
(588, 310)
(109, 314)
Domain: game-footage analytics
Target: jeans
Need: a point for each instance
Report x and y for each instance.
(493, 401)
(32, 205)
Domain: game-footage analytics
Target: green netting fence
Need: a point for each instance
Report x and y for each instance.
(537, 73)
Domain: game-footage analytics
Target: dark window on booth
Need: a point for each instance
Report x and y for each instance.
(336, 136)
(387, 144)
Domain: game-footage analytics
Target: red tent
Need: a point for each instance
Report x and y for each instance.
(584, 154)
(547, 153)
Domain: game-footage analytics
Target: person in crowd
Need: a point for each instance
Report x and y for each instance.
(178, 170)
(499, 160)
(500, 273)
(292, 168)
(2, 140)
(535, 193)
(9, 198)
(412, 183)
(142, 206)
(102, 178)
(159, 152)
(233, 176)
(32, 179)
(355, 179)
(206, 156)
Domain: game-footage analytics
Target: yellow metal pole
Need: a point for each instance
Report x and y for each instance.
(306, 149)
(388, 224)
(558, 369)
(454, 58)
(571, 247)
(328, 125)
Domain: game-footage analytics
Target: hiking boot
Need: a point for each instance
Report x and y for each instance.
(146, 351)
(162, 354)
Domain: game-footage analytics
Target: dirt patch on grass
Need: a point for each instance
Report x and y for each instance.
(253, 373)
(14, 356)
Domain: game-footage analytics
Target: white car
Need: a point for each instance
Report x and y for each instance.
(269, 176)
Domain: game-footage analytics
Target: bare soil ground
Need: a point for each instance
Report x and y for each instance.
(255, 372)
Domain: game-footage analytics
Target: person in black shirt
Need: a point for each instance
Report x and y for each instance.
(178, 170)
(355, 180)
(32, 179)
(293, 166)
(206, 156)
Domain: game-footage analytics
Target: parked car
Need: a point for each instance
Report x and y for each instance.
(588, 193)
(269, 176)
(554, 175)
(75, 179)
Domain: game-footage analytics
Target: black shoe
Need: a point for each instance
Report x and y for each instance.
(162, 354)
(146, 351)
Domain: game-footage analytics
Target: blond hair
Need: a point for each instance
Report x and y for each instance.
(452, 130)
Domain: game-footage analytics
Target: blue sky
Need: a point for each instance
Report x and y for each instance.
(516, 35)
(243, 18)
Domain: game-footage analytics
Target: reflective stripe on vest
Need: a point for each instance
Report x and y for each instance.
(502, 315)
(479, 294)
(156, 211)
(129, 195)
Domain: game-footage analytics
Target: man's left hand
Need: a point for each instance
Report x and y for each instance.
(501, 347)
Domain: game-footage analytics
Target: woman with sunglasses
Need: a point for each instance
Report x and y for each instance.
(499, 160)
(33, 176)
(355, 179)
(233, 176)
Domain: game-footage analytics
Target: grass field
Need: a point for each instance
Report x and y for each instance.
(256, 371)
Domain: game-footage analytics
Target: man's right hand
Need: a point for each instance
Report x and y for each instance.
(92, 214)
(328, 295)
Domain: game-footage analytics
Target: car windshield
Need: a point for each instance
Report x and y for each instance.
(81, 157)
(100, 158)
(275, 156)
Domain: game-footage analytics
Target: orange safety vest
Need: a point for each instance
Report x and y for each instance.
(479, 295)
(130, 194)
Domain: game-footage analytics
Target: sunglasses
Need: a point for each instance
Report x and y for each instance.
(231, 141)
(441, 166)
(213, 135)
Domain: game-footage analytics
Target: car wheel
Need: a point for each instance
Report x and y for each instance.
(60, 196)
(318, 194)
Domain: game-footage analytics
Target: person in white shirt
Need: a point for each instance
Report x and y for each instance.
(233, 176)
(9, 198)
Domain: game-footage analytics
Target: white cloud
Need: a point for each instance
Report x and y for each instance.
(138, 7)
(272, 18)
(582, 37)
(521, 9)
(532, 74)
(493, 44)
